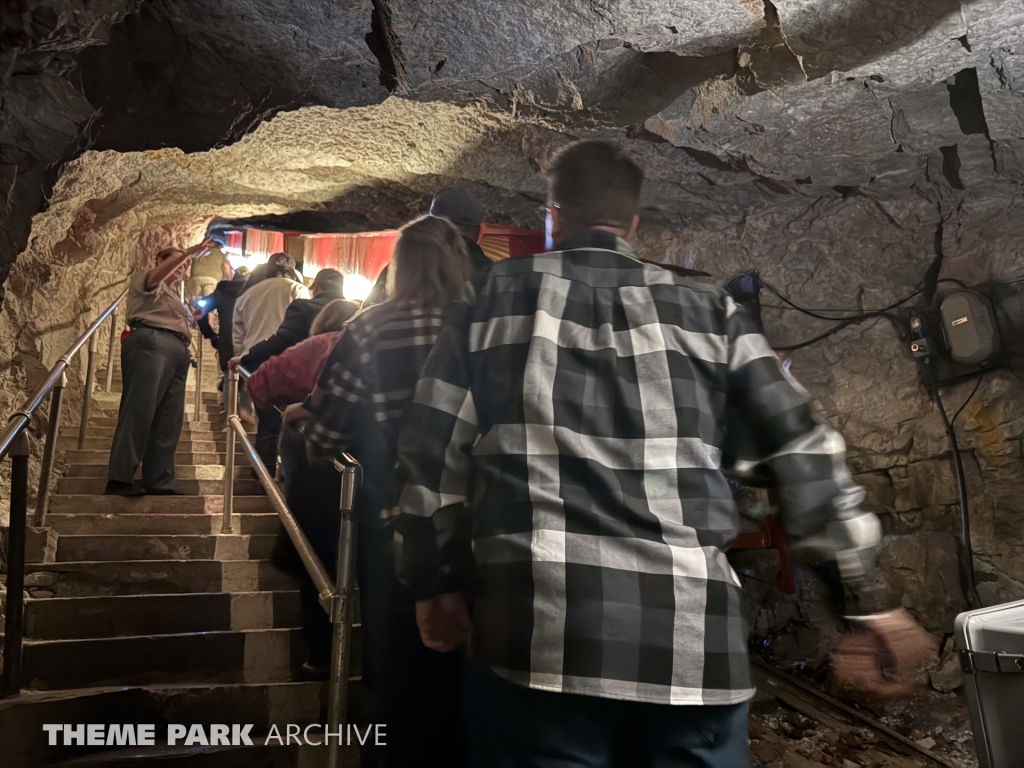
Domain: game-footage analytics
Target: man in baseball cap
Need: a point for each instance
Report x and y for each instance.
(462, 209)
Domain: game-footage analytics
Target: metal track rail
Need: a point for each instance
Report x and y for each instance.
(784, 680)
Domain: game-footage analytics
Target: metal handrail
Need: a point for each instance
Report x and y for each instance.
(337, 598)
(13, 442)
(314, 567)
(21, 418)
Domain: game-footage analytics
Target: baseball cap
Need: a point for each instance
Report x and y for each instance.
(458, 206)
(281, 258)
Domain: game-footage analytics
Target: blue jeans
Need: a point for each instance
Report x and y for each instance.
(512, 726)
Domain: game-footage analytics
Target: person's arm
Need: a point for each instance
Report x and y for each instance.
(434, 467)
(289, 377)
(210, 305)
(293, 329)
(238, 327)
(819, 502)
(339, 399)
(159, 273)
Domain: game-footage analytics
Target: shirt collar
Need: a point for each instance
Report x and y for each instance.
(596, 238)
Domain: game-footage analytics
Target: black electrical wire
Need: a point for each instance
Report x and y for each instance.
(845, 322)
(969, 398)
(970, 588)
(814, 313)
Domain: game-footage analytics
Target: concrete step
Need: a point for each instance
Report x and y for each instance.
(247, 656)
(214, 445)
(76, 618)
(194, 430)
(154, 577)
(181, 471)
(109, 408)
(111, 421)
(95, 485)
(262, 704)
(149, 505)
(160, 525)
(92, 456)
(92, 548)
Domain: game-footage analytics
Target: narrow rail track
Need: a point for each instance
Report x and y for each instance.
(834, 714)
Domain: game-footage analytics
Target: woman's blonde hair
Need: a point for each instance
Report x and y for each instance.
(332, 317)
(431, 263)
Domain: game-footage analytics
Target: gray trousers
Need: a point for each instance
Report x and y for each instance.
(154, 368)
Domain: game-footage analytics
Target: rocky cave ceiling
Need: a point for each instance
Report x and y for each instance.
(754, 106)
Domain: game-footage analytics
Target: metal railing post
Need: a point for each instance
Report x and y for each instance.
(15, 608)
(109, 381)
(196, 409)
(49, 451)
(229, 448)
(341, 645)
(90, 382)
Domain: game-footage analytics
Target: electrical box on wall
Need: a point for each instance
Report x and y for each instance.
(961, 338)
(969, 327)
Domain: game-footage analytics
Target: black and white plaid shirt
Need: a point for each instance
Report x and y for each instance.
(574, 404)
(366, 384)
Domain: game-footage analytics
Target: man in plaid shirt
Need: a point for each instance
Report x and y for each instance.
(571, 415)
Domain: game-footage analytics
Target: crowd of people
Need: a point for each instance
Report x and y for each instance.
(543, 513)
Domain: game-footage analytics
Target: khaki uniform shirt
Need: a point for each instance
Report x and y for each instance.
(159, 307)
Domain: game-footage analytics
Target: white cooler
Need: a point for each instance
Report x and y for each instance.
(990, 644)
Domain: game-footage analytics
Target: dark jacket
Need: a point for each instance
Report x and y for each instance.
(223, 301)
(293, 329)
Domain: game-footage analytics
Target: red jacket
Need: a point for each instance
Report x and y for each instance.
(290, 377)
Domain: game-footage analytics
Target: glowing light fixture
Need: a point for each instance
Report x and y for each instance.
(357, 287)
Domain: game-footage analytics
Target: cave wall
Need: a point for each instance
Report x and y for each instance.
(852, 151)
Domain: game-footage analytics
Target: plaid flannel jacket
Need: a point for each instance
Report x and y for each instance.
(574, 404)
(366, 384)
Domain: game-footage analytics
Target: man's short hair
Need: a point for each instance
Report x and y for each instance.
(329, 282)
(595, 183)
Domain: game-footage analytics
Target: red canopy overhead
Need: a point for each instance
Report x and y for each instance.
(260, 244)
(359, 253)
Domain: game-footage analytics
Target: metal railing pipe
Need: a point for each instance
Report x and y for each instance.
(197, 407)
(90, 383)
(21, 418)
(337, 598)
(342, 613)
(15, 608)
(108, 382)
(49, 452)
(314, 567)
(231, 411)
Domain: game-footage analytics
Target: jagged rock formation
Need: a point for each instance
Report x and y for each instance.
(853, 151)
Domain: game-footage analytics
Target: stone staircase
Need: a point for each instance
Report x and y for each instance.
(147, 614)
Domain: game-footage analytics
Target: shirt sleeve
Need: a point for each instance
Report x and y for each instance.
(434, 466)
(290, 332)
(817, 495)
(238, 329)
(341, 397)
